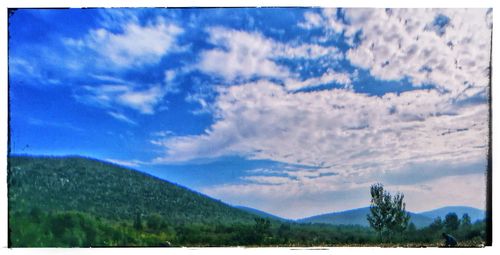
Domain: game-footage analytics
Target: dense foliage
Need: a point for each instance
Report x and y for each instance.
(77, 202)
(387, 213)
(109, 191)
(37, 228)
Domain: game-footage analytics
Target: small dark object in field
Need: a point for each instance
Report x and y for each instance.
(450, 241)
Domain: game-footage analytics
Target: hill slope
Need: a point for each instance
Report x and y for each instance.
(106, 190)
(260, 213)
(474, 213)
(358, 217)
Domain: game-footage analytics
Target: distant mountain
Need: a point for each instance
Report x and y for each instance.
(474, 213)
(349, 217)
(261, 213)
(108, 191)
(358, 217)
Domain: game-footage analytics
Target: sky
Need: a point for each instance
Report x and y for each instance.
(294, 111)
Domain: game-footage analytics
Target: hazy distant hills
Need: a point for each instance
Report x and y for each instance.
(358, 216)
(474, 213)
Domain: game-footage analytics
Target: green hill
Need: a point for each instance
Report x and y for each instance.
(261, 213)
(109, 191)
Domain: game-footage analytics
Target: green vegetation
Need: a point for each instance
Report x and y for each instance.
(388, 216)
(108, 191)
(78, 202)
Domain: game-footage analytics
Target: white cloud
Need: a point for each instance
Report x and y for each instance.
(21, 68)
(128, 163)
(121, 117)
(244, 55)
(163, 133)
(111, 79)
(135, 45)
(337, 128)
(263, 179)
(446, 191)
(400, 43)
(143, 100)
(53, 124)
(356, 139)
(328, 77)
(312, 20)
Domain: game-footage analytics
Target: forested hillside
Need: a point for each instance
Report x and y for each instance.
(109, 191)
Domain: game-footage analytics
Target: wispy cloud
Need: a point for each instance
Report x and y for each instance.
(128, 163)
(134, 46)
(53, 124)
(267, 179)
(245, 55)
(329, 76)
(398, 43)
(144, 100)
(24, 69)
(354, 132)
(121, 117)
(163, 133)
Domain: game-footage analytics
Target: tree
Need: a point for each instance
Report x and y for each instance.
(155, 222)
(284, 232)
(412, 228)
(400, 217)
(379, 209)
(387, 214)
(466, 221)
(138, 221)
(451, 222)
(262, 229)
(437, 225)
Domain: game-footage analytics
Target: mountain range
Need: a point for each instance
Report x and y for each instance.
(474, 213)
(114, 192)
(261, 213)
(358, 216)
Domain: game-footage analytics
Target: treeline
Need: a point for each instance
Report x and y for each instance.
(388, 217)
(37, 228)
(466, 232)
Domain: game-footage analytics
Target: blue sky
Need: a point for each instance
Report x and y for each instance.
(295, 111)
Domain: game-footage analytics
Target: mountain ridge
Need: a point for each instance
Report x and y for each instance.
(474, 213)
(356, 216)
(261, 213)
(65, 183)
